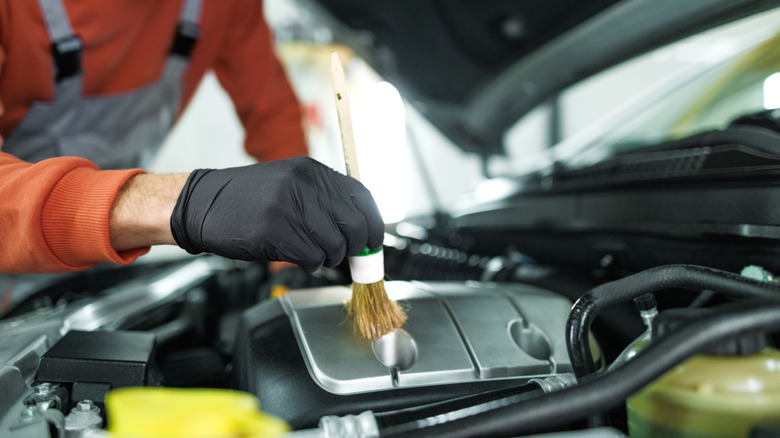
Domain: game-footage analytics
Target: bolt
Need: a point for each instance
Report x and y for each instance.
(43, 389)
(85, 405)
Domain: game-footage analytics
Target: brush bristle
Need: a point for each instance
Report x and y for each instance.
(374, 313)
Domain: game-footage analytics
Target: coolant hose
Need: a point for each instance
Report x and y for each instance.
(696, 278)
(603, 391)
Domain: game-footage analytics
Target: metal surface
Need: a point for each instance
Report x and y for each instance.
(84, 416)
(396, 349)
(24, 339)
(145, 294)
(456, 333)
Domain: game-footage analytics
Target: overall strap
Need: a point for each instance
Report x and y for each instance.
(65, 46)
(188, 30)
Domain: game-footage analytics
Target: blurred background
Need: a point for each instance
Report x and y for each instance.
(410, 167)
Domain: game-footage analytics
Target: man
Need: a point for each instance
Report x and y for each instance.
(105, 81)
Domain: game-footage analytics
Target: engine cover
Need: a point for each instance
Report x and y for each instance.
(301, 354)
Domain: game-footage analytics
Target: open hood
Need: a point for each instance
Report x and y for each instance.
(473, 68)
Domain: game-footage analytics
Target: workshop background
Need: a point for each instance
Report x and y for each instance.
(410, 167)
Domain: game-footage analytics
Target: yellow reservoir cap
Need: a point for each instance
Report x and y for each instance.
(145, 412)
(709, 396)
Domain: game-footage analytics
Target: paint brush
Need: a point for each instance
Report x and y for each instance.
(374, 313)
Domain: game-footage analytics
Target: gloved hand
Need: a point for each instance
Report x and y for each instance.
(295, 210)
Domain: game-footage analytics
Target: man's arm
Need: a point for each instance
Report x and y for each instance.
(141, 214)
(65, 214)
(296, 210)
(54, 215)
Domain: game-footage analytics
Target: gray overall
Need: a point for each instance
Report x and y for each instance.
(117, 131)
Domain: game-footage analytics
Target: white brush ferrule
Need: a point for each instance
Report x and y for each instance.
(367, 269)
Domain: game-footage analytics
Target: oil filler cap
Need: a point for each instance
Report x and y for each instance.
(671, 320)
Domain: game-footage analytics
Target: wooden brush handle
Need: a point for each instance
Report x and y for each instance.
(344, 116)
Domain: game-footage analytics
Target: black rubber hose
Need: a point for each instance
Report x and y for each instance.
(696, 278)
(606, 390)
(398, 422)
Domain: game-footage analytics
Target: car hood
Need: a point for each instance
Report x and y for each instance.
(473, 68)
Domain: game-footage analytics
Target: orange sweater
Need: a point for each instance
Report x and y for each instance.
(54, 214)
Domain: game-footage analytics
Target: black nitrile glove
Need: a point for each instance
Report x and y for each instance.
(296, 210)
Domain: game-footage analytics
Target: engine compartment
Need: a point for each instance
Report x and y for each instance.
(206, 322)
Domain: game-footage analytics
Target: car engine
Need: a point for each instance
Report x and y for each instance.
(493, 345)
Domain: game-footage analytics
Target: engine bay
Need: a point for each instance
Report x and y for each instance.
(635, 294)
(498, 333)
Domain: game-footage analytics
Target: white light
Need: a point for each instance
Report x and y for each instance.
(772, 91)
(495, 189)
(383, 152)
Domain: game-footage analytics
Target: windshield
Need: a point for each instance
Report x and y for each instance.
(740, 86)
(701, 83)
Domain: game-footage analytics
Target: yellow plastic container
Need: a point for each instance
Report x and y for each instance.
(709, 397)
(192, 413)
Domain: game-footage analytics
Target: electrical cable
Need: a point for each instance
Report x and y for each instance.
(398, 422)
(690, 277)
(521, 415)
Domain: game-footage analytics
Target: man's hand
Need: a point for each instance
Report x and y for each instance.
(141, 214)
(295, 210)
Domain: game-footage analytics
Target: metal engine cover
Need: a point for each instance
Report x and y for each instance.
(302, 354)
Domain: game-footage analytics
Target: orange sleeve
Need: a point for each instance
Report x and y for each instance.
(252, 75)
(54, 214)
